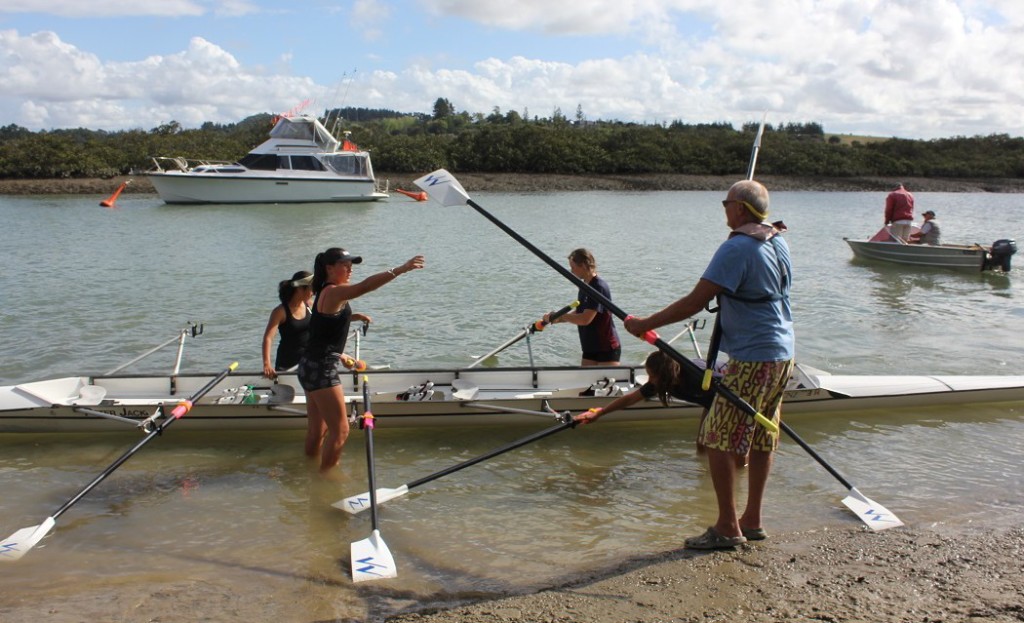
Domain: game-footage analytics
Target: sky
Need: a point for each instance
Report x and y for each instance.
(918, 69)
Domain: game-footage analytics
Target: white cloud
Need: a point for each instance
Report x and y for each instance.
(920, 68)
(62, 86)
(105, 8)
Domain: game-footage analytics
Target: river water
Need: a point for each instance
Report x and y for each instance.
(238, 526)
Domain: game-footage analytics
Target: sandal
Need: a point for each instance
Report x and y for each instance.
(754, 534)
(712, 540)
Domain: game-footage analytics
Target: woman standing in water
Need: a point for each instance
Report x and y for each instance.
(291, 320)
(319, 368)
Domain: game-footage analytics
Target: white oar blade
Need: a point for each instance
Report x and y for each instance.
(876, 516)
(359, 503)
(372, 560)
(16, 545)
(443, 187)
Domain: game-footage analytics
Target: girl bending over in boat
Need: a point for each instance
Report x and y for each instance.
(666, 379)
(320, 366)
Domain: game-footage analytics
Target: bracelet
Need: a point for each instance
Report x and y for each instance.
(391, 271)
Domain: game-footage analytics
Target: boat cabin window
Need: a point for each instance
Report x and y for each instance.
(306, 163)
(348, 164)
(259, 162)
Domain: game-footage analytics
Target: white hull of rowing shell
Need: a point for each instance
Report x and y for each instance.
(73, 404)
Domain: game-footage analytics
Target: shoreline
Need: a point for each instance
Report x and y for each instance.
(527, 183)
(844, 574)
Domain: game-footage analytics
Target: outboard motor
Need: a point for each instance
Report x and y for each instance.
(999, 257)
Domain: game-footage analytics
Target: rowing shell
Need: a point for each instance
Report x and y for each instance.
(452, 397)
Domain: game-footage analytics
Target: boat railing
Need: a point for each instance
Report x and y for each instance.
(164, 164)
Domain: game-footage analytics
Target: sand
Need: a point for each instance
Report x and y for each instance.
(842, 574)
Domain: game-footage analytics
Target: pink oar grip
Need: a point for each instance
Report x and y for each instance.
(650, 336)
(183, 407)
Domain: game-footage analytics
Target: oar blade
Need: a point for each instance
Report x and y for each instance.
(18, 544)
(873, 514)
(372, 560)
(359, 503)
(443, 187)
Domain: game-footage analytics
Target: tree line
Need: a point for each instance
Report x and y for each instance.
(513, 142)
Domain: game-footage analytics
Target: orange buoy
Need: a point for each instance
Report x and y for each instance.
(109, 201)
(420, 196)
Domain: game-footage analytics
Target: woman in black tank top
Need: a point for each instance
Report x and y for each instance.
(319, 368)
(290, 319)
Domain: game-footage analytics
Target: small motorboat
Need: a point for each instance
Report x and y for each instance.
(301, 162)
(887, 248)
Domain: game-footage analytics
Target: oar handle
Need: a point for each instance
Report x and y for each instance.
(541, 324)
(650, 337)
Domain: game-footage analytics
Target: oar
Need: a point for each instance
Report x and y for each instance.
(530, 330)
(359, 503)
(371, 558)
(443, 186)
(16, 545)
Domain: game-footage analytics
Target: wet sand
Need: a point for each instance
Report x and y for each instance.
(844, 574)
(520, 182)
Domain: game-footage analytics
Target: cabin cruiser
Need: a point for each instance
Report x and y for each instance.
(301, 162)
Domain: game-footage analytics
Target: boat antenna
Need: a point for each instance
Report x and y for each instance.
(344, 98)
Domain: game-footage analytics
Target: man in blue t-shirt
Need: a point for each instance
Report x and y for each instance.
(750, 274)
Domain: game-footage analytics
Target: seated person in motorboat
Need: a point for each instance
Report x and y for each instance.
(930, 231)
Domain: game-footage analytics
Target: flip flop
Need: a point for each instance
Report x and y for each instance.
(711, 540)
(754, 534)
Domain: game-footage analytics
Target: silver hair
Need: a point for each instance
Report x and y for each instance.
(753, 193)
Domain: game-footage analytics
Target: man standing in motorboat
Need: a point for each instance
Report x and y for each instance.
(899, 212)
(930, 232)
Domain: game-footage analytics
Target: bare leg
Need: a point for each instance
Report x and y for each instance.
(723, 476)
(335, 417)
(591, 362)
(315, 426)
(760, 466)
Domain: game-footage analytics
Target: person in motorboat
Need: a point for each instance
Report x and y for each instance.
(930, 232)
(899, 212)
(290, 319)
(750, 273)
(320, 366)
(598, 338)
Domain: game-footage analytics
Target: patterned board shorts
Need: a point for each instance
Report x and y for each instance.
(761, 384)
(321, 373)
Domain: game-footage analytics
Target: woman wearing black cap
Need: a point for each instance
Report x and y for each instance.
(319, 368)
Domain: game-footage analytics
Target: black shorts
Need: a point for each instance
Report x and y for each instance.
(604, 355)
(319, 373)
